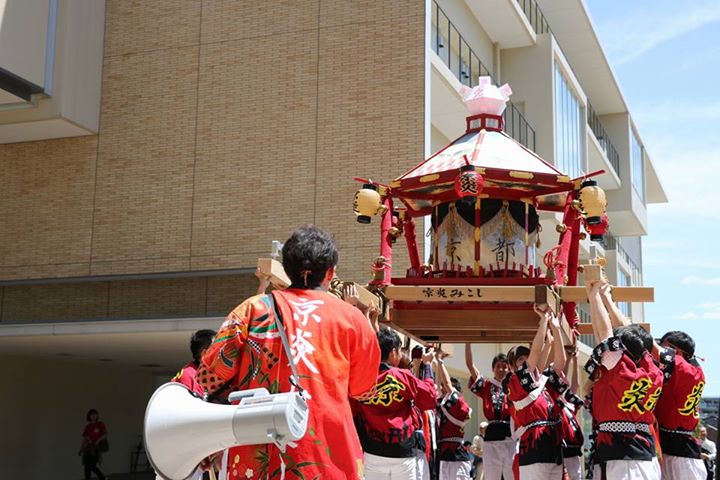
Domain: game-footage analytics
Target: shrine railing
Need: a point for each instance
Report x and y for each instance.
(603, 139)
(462, 61)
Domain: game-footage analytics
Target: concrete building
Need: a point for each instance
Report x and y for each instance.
(152, 150)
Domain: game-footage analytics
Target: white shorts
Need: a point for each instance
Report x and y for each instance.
(630, 469)
(682, 468)
(422, 469)
(573, 467)
(388, 468)
(541, 471)
(455, 470)
(498, 459)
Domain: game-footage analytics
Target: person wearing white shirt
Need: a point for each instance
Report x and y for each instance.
(709, 452)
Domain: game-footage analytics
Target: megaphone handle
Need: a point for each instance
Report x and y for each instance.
(240, 394)
(212, 474)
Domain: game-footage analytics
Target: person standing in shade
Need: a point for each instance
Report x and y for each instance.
(476, 448)
(94, 434)
(499, 446)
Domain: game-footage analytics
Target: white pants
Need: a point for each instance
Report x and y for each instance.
(572, 465)
(388, 468)
(681, 468)
(455, 470)
(541, 471)
(631, 470)
(422, 469)
(498, 459)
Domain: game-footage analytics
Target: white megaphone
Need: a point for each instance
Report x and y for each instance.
(181, 429)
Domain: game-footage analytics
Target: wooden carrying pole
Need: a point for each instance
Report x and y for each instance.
(279, 279)
(465, 293)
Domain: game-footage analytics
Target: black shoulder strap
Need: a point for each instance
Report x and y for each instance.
(294, 377)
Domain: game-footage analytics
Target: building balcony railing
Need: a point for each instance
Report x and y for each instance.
(534, 16)
(602, 137)
(455, 52)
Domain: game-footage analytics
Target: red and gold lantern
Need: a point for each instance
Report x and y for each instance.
(468, 183)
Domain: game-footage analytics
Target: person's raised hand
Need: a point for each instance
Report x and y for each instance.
(605, 289)
(553, 320)
(350, 294)
(373, 314)
(593, 288)
(428, 355)
(263, 279)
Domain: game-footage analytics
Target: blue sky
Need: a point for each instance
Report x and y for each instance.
(666, 56)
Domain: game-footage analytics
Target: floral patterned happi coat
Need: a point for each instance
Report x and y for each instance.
(337, 356)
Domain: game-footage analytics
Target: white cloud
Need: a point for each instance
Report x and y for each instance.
(708, 311)
(698, 280)
(633, 35)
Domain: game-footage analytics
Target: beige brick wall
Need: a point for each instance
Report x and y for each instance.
(125, 299)
(224, 125)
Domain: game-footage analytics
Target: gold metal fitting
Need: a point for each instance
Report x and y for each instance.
(562, 228)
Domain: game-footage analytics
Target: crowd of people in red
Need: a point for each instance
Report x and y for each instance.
(377, 412)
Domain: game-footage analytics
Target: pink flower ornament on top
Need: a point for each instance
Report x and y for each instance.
(486, 97)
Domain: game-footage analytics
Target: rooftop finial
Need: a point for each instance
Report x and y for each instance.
(486, 97)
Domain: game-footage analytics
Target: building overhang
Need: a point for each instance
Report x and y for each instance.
(654, 191)
(159, 345)
(571, 24)
(504, 22)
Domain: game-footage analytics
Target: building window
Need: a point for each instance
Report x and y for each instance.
(569, 127)
(624, 281)
(638, 167)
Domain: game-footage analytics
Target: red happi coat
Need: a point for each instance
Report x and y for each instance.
(387, 421)
(454, 413)
(186, 376)
(337, 356)
(568, 405)
(623, 398)
(535, 419)
(495, 407)
(677, 409)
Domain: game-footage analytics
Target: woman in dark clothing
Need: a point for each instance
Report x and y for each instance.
(94, 434)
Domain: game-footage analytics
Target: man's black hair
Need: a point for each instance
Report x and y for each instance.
(307, 256)
(633, 341)
(645, 336)
(456, 384)
(388, 340)
(90, 412)
(680, 340)
(199, 341)
(500, 357)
